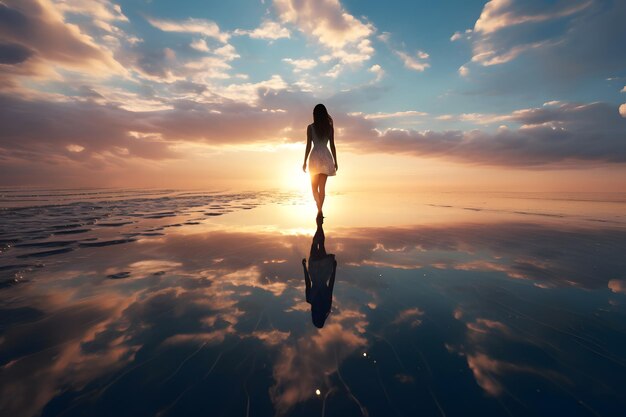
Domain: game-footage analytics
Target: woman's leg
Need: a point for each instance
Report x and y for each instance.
(322, 190)
(317, 245)
(314, 186)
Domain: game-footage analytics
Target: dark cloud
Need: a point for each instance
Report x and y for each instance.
(12, 53)
(32, 26)
(43, 130)
(553, 135)
(558, 133)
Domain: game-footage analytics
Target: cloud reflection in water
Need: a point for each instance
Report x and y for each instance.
(212, 321)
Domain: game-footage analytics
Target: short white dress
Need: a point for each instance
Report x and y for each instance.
(321, 160)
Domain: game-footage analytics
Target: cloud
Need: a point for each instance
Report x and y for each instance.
(199, 45)
(304, 366)
(102, 10)
(552, 134)
(14, 53)
(198, 26)
(463, 71)
(98, 130)
(622, 110)
(416, 63)
(100, 121)
(554, 39)
(548, 136)
(501, 14)
(301, 64)
(461, 35)
(486, 339)
(410, 316)
(165, 65)
(617, 286)
(398, 114)
(35, 36)
(268, 30)
(378, 70)
(331, 26)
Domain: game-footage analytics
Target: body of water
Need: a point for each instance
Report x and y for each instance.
(167, 302)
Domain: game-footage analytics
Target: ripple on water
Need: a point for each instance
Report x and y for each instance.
(106, 243)
(44, 254)
(114, 224)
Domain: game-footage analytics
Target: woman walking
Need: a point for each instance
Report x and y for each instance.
(321, 163)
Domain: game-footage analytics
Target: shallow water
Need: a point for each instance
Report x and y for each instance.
(165, 302)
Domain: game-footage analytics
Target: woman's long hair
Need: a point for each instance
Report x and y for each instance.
(322, 122)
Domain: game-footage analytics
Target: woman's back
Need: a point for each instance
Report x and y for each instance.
(317, 139)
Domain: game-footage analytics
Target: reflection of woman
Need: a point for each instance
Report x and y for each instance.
(321, 163)
(319, 279)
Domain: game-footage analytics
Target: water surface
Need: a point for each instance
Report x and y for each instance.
(166, 302)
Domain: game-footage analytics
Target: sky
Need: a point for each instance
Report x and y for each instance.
(501, 95)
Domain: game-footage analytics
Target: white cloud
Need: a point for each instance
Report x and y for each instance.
(507, 28)
(461, 35)
(463, 71)
(334, 71)
(199, 26)
(208, 68)
(75, 148)
(268, 30)
(227, 51)
(416, 63)
(331, 25)
(623, 90)
(99, 10)
(300, 65)
(622, 110)
(249, 92)
(200, 45)
(398, 114)
(500, 14)
(485, 55)
(378, 70)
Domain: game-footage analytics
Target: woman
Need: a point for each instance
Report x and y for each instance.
(319, 278)
(321, 164)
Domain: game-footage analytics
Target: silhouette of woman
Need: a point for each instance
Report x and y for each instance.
(321, 163)
(319, 279)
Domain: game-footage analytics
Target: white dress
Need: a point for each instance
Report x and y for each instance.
(321, 160)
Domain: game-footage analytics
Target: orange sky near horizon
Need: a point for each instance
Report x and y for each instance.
(280, 168)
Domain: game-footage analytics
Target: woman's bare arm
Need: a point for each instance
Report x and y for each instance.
(309, 140)
(307, 282)
(332, 147)
(331, 283)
